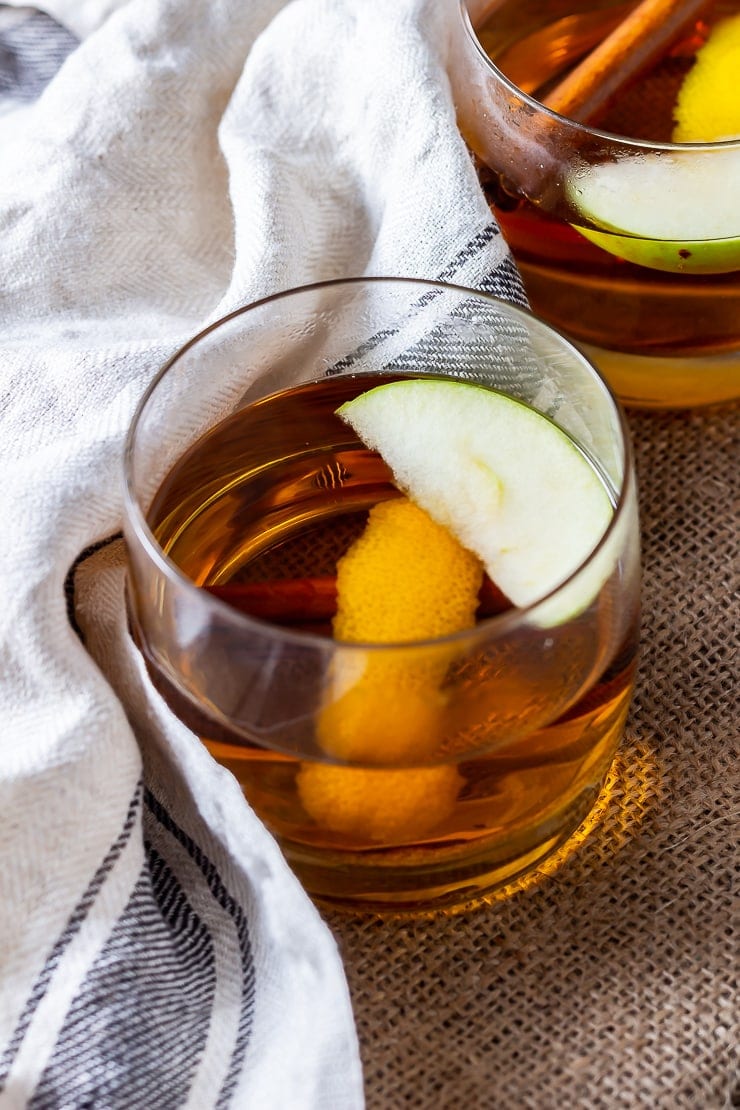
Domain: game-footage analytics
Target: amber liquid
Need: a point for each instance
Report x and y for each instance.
(687, 324)
(277, 492)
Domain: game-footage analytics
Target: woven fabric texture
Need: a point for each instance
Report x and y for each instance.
(609, 978)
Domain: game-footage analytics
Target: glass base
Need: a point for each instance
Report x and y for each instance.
(647, 382)
(400, 883)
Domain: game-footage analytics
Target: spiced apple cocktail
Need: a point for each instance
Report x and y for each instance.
(388, 572)
(608, 135)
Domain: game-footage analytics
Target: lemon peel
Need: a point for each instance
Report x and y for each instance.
(378, 722)
(405, 578)
(708, 105)
(378, 805)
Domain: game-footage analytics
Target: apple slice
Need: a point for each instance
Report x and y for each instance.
(675, 212)
(507, 482)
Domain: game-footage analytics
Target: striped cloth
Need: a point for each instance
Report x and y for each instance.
(32, 48)
(163, 161)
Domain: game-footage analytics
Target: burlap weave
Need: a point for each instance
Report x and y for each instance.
(611, 980)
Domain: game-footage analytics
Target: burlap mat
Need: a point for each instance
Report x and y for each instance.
(610, 981)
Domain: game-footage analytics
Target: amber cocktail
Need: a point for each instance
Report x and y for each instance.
(624, 222)
(398, 775)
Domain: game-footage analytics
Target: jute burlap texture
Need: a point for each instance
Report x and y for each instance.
(609, 980)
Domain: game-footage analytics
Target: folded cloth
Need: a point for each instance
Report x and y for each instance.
(187, 156)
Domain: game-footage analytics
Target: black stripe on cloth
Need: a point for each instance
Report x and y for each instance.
(379, 337)
(31, 52)
(232, 907)
(69, 581)
(70, 931)
(502, 281)
(137, 1029)
(490, 232)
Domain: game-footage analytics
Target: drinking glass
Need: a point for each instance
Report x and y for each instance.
(608, 224)
(474, 755)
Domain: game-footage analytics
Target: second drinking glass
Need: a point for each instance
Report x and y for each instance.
(617, 196)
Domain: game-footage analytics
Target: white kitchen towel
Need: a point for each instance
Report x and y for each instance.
(162, 161)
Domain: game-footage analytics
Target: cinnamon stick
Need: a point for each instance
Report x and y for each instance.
(305, 600)
(646, 34)
(282, 600)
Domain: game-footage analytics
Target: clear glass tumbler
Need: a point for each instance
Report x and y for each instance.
(242, 488)
(627, 240)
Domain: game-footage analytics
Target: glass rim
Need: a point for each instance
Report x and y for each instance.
(502, 622)
(584, 128)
